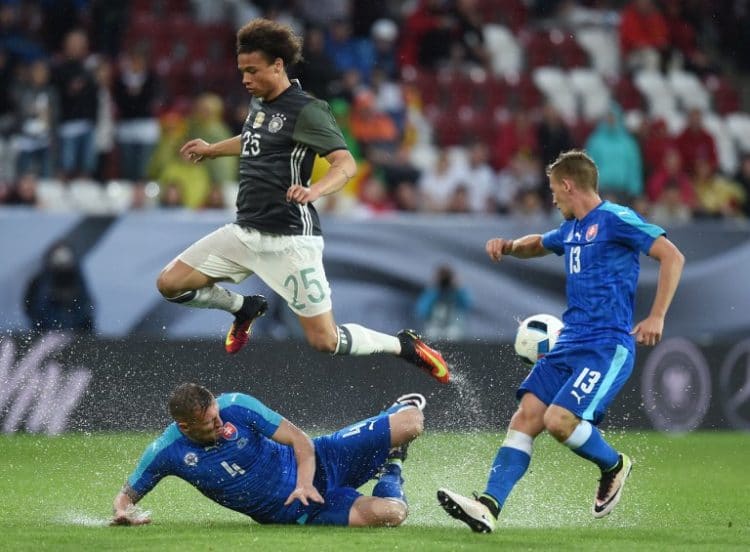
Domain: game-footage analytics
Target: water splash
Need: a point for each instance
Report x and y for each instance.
(80, 518)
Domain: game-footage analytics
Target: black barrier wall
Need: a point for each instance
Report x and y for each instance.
(55, 383)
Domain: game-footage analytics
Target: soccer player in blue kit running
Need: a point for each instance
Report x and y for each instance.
(246, 457)
(569, 389)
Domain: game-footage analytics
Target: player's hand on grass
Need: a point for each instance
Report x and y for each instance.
(132, 515)
(195, 150)
(649, 331)
(304, 494)
(301, 194)
(497, 247)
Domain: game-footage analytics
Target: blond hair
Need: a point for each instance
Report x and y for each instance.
(577, 166)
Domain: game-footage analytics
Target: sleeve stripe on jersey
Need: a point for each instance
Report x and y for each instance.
(628, 216)
(153, 450)
(251, 403)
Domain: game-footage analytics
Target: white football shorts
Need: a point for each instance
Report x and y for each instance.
(292, 266)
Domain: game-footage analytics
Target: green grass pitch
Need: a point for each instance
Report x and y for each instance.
(685, 492)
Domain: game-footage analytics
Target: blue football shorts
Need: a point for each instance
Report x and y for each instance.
(582, 377)
(346, 460)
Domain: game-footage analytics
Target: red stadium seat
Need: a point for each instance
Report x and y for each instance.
(725, 97)
(627, 95)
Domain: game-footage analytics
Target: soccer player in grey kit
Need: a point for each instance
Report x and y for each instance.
(277, 233)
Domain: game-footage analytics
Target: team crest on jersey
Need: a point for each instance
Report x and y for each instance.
(260, 116)
(191, 459)
(229, 432)
(591, 232)
(276, 123)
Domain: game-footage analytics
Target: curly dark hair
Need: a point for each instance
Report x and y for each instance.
(187, 399)
(272, 39)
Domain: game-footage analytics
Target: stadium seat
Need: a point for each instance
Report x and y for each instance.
(119, 195)
(657, 91)
(738, 125)
(593, 92)
(553, 82)
(504, 50)
(423, 156)
(725, 143)
(88, 196)
(689, 90)
(52, 194)
(602, 47)
(539, 49)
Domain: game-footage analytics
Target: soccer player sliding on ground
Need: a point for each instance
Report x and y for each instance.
(246, 457)
(569, 389)
(277, 233)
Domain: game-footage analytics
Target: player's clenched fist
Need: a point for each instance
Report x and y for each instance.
(497, 247)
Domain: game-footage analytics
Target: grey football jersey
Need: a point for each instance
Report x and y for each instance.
(280, 139)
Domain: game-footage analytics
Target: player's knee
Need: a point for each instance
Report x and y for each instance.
(414, 422)
(166, 284)
(556, 425)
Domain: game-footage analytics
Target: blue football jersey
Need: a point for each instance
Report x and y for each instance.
(602, 265)
(245, 470)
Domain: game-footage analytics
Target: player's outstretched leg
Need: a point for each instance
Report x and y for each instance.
(610, 487)
(416, 351)
(390, 481)
(253, 307)
(471, 511)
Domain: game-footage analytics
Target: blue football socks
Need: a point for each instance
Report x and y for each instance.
(588, 443)
(391, 483)
(511, 463)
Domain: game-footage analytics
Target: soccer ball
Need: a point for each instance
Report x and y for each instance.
(536, 336)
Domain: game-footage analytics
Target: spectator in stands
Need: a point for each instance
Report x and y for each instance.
(553, 137)
(57, 298)
(23, 192)
(207, 121)
(443, 306)
(428, 35)
(479, 177)
(743, 179)
(136, 93)
(167, 166)
(717, 195)
(373, 129)
(104, 133)
(384, 35)
(514, 136)
(618, 157)
(437, 183)
(521, 176)
(78, 107)
(655, 143)
(470, 37)
(671, 176)
(695, 143)
(644, 36)
(317, 70)
(7, 117)
(348, 52)
(37, 107)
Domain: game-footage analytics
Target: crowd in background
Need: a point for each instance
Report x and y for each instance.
(100, 93)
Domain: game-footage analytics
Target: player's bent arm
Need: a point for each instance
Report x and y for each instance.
(224, 148)
(523, 248)
(342, 169)
(196, 150)
(671, 261)
(304, 453)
